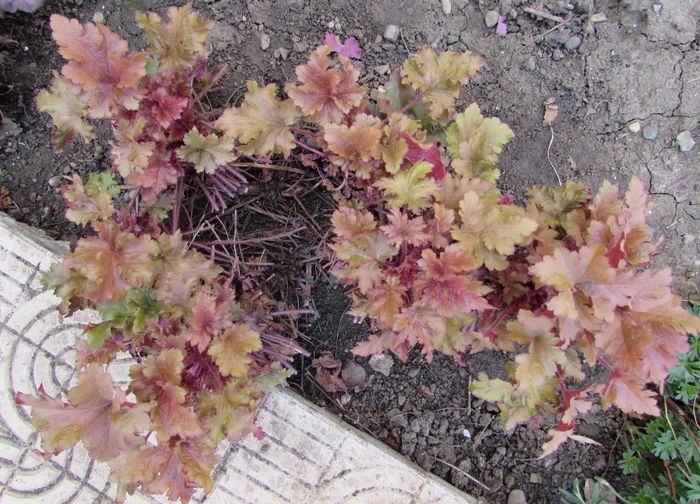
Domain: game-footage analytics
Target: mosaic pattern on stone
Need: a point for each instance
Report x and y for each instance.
(307, 456)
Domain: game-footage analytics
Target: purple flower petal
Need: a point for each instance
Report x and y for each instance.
(501, 28)
(351, 48)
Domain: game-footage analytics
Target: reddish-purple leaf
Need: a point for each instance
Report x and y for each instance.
(416, 152)
(501, 28)
(351, 48)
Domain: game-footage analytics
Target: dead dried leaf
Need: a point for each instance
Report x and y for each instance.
(353, 375)
(5, 200)
(551, 110)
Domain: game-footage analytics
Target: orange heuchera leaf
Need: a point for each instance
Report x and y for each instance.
(490, 230)
(440, 226)
(164, 107)
(209, 317)
(649, 333)
(96, 414)
(374, 345)
(160, 173)
(628, 392)
(544, 355)
(417, 324)
(174, 470)
(401, 229)
(621, 227)
(442, 285)
(349, 223)
(326, 94)
(230, 350)
(354, 147)
(364, 255)
(386, 299)
(183, 271)
(180, 42)
(97, 62)
(67, 111)
(130, 154)
(262, 122)
(113, 262)
(157, 380)
(439, 77)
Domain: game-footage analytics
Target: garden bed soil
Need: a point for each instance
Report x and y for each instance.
(641, 64)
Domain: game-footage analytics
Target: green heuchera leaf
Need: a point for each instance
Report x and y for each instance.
(206, 153)
(439, 77)
(90, 201)
(475, 143)
(410, 187)
(131, 313)
(275, 376)
(97, 334)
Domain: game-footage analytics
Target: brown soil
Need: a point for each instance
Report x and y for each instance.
(639, 65)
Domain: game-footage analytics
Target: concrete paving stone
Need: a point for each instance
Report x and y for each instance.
(307, 456)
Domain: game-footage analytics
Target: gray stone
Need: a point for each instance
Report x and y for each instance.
(517, 496)
(447, 7)
(535, 478)
(264, 41)
(684, 141)
(392, 32)
(397, 418)
(651, 132)
(634, 127)
(381, 363)
(557, 55)
(531, 63)
(573, 43)
(491, 18)
(583, 6)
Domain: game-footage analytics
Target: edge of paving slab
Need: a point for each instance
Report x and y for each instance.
(308, 456)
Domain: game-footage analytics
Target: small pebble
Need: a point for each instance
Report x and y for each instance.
(381, 363)
(657, 8)
(599, 17)
(634, 127)
(491, 18)
(517, 496)
(535, 478)
(684, 141)
(447, 7)
(391, 33)
(264, 41)
(382, 70)
(557, 55)
(531, 63)
(588, 28)
(651, 132)
(573, 43)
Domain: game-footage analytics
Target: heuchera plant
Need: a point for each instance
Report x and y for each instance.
(205, 345)
(438, 256)
(435, 254)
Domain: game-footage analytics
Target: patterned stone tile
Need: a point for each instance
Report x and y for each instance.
(307, 456)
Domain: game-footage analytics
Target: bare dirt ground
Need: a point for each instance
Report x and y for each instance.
(609, 65)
